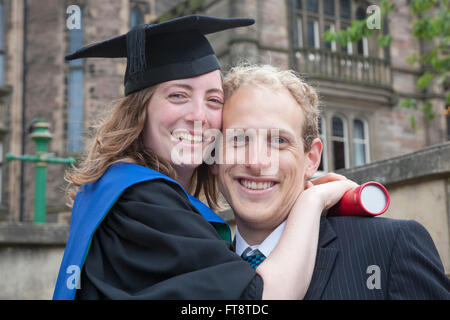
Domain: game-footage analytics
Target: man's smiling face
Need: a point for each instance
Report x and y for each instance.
(259, 199)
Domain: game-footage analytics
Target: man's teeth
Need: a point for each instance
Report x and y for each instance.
(187, 137)
(256, 185)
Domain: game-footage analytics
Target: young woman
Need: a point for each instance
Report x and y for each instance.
(136, 230)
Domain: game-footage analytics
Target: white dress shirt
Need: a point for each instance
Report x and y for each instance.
(265, 247)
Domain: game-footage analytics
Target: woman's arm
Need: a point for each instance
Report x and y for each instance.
(287, 272)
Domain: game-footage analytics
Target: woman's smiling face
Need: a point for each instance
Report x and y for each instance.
(178, 107)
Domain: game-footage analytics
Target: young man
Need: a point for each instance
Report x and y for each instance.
(270, 131)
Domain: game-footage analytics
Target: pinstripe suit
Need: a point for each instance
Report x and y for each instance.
(409, 264)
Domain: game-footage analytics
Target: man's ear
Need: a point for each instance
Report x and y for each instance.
(313, 157)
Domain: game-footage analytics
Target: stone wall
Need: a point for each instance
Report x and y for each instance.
(30, 256)
(419, 187)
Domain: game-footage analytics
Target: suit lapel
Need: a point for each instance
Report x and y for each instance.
(324, 261)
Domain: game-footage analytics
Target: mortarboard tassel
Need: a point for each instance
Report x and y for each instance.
(136, 50)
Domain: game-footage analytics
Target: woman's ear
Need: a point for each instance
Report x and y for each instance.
(214, 169)
(313, 157)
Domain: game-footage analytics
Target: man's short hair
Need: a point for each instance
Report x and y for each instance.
(274, 78)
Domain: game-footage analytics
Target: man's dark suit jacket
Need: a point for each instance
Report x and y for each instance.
(376, 258)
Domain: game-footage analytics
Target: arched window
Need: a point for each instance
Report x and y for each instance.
(360, 142)
(136, 17)
(1, 168)
(322, 135)
(339, 140)
(75, 93)
(2, 44)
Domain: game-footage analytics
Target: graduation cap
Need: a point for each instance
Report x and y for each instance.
(174, 49)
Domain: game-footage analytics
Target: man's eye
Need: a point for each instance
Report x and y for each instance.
(239, 140)
(278, 140)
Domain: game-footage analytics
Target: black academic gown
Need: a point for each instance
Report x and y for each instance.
(154, 244)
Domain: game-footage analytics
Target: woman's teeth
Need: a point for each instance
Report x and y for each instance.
(186, 137)
(256, 185)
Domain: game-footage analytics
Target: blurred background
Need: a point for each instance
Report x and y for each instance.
(383, 85)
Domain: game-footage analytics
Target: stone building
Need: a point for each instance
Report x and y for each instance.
(360, 85)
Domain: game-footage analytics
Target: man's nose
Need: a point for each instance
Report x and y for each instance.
(257, 157)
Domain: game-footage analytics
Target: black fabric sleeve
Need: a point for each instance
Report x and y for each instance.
(153, 244)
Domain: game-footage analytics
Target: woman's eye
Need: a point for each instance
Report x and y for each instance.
(216, 101)
(177, 96)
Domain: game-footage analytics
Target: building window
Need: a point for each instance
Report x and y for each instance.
(328, 8)
(330, 45)
(362, 45)
(75, 93)
(344, 9)
(136, 17)
(299, 32)
(323, 167)
(349, 47)
(360, 142)
(312, 34)
(312, 6)
(2, 44)
(339, 141)
(329, 20)
(314, 17)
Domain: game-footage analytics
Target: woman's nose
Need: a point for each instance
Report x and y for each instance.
(197, 111)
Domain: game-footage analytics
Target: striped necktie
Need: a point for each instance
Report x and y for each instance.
(254, 260)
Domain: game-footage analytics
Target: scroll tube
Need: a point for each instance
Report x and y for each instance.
(369, 199)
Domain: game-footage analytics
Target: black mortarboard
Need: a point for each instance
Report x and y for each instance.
(170, 50)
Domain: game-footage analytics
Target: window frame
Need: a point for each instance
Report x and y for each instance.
(75, 66)
(344, 139)
(133, 9)
(365, 141)
(2, 43)
(323, 138)
(1, 171)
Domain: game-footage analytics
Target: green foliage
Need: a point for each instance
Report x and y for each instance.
(409, 103)
(428, 110)
(424, 80)
(412, 121)
(384, 40)
(419, 6)
(431, 23)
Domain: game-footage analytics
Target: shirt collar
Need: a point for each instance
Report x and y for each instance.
(266, 247)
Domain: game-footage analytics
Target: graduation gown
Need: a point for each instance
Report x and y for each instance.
(154, 244)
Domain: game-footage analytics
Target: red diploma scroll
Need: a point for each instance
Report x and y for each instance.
(369, 199)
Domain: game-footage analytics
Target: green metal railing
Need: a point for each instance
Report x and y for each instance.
(41, 136)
